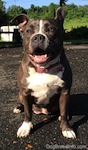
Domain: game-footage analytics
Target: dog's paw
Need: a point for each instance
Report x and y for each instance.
(69, 133)
(24, 130)
(16, 110)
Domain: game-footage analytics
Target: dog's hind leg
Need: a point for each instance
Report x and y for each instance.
(38, 110)
(18, 109)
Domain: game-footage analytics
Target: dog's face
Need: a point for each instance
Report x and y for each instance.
(42, 39)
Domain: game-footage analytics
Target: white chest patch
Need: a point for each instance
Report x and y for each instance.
(45, 85)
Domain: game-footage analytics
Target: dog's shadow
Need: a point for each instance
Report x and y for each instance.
(78, 106)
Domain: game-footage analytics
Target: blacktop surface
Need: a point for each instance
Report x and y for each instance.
(46, 134)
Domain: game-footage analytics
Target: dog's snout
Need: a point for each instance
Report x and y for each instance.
(39, 38)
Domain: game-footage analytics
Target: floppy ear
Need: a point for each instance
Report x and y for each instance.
(60, 14)
(21, 20)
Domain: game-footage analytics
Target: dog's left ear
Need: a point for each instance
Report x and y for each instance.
(60, 15)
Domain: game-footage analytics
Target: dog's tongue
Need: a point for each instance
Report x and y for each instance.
(40, 69)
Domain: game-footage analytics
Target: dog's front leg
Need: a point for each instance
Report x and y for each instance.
(64, 125)
(26, 126)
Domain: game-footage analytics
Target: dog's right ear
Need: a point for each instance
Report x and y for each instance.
(60, 14)
(21, 20)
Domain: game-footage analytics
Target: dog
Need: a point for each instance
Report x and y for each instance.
(44, 75)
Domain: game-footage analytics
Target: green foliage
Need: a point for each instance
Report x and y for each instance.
(72, 13)
(3, 15)
(41, 12)
(51, 11)
(14, 11)
(35, 12)
(2, 7)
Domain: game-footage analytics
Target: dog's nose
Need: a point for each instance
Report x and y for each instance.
(38, 38)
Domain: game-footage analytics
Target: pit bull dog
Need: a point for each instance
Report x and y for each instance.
(44, 76)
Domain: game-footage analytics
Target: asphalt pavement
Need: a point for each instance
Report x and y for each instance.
(46, 134)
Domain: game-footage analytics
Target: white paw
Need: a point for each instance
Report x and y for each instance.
(24, 130)
(16, 111)
(69, 134)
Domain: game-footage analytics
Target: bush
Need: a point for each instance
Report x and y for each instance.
(76, 33)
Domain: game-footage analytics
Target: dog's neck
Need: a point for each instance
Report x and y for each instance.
(50, 65)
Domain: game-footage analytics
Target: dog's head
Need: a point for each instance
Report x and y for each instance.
(42, 39)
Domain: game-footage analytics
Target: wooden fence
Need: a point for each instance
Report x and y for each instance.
(12, 36)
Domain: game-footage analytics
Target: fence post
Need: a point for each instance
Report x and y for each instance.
(16, 36)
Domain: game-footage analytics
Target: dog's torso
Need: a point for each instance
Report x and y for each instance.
(44, 85)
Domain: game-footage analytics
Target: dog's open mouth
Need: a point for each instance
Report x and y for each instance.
(39, 56)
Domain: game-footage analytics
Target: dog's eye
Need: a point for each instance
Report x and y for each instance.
(28, 30)
(51, 28)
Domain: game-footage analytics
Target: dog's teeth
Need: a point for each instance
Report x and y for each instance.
(36, 57)
(45, 55)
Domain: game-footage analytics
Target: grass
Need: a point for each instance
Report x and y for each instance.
(76, 42)
(75, 23)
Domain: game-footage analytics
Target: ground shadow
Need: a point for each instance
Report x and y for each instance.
(44, 122)
(78, 106)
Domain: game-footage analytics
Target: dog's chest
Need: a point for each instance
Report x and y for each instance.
(45, 85)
